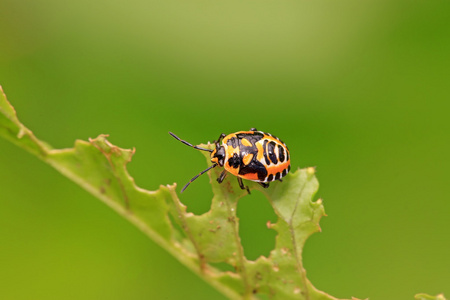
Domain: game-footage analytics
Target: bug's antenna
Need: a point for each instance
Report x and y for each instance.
(196, 176)
(190, 145)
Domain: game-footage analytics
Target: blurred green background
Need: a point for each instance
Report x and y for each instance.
(360, 89)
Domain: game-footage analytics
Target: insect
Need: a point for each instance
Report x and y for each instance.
(252, 155)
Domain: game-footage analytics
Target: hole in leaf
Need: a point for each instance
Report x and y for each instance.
(198, 196)
(254, 211)
(223, 266)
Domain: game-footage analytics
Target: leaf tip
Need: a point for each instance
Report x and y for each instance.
(311, 170)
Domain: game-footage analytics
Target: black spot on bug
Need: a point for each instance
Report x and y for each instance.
(271, 150)
(233, 142)
(270, 178)
(289, 168)
(266, 158)
(254, 167)
(281, 153)
(277, 176)
(251, 137)
(234, 161)
(284, 173)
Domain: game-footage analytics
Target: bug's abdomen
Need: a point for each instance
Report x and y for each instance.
(275, 159)
(256, 156)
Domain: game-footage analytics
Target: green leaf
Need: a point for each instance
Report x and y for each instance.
(200, 242)
(12, 130)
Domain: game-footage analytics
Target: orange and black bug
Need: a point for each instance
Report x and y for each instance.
(252, 155)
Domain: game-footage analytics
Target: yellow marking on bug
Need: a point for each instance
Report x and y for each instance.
(232, 170)
(244, 132)
(260, 155)
(247, 158)
(246, 142)
(230, 151)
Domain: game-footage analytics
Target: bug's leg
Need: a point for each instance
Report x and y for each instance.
(222, 176)
(241, 185)
(280, 180)
(253, 129)
(222, 135)
(264, 185)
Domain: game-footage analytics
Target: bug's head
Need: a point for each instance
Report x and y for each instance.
(218, 155)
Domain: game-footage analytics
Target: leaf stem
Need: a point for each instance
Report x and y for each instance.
(299, 265)
(232, 217)
(297, 252)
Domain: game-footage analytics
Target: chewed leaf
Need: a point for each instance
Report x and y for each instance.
(281, 275)
(14, 131)
(100, 168)
(201, 242)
